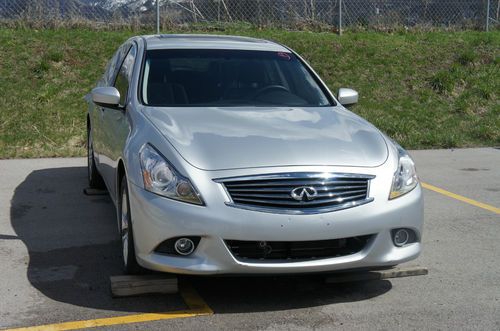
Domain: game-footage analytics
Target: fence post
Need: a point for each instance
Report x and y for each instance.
(340, 17)
(488, 16)
(157, 16)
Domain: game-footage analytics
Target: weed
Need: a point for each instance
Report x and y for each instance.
(55, 56)
(467, 57)
(443, 82)
(41, 67)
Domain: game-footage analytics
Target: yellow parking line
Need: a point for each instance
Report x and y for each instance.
(197, 307)
(461, 198)
(109, 321)
(193, 300)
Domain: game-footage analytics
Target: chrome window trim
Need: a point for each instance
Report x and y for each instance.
(297, 175)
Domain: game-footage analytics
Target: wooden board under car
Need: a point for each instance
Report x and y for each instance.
(358, 276)
(122, 286)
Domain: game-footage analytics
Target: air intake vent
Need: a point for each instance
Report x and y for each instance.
(296, 250)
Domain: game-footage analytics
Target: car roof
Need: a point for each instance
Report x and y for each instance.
(205, 41)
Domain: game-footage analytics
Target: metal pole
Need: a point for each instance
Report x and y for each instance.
(157, 16)
(340, 17)
(488, 16)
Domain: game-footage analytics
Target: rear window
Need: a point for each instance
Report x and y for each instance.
(228, 78)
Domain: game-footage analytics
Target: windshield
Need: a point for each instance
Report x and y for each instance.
(228, 78)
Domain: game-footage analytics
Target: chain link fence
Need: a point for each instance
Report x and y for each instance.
(336, 14)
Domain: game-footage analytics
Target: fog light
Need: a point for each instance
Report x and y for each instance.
(401, 237)
(184, 246)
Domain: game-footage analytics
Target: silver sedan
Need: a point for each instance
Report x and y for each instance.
(230, 155)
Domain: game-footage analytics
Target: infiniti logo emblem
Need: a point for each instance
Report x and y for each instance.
(304, 193)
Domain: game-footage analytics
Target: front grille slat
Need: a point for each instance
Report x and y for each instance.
(299, 203)
(253, 195)
(290, 183)
(340, 194)
(298, 192)
(286, 251)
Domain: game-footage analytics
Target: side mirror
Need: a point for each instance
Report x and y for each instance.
(347, 96)
(106, 96)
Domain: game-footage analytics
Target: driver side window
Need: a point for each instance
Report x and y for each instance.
(124, 76)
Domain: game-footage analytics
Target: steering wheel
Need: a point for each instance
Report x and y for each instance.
(269, 88)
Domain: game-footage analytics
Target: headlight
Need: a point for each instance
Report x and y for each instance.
(160, 177)
(405, 178)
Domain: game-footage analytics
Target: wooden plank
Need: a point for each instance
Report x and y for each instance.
(143, 284)
(93, 191)
(375, 275)
(407, 272)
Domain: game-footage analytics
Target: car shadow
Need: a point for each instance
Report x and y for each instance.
(73, 248)
(227, 295)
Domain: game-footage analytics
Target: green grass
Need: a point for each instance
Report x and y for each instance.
(424, 89)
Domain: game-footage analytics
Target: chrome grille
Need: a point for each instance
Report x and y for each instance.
(298, 193)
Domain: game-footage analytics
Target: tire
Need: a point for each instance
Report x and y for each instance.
(129, 259)
(94, 177)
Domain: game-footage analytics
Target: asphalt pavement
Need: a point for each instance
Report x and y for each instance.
(58, 248)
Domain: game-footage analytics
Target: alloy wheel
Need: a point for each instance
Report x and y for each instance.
(124, 226)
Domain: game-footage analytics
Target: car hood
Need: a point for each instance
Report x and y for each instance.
(216, 138)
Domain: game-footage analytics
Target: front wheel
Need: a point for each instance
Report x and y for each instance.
(127, 237)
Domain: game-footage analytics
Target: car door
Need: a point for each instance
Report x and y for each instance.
(115, 122)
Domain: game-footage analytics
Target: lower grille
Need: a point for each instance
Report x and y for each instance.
(296, 250)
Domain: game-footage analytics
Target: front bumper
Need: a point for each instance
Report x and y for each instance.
(156, 219)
